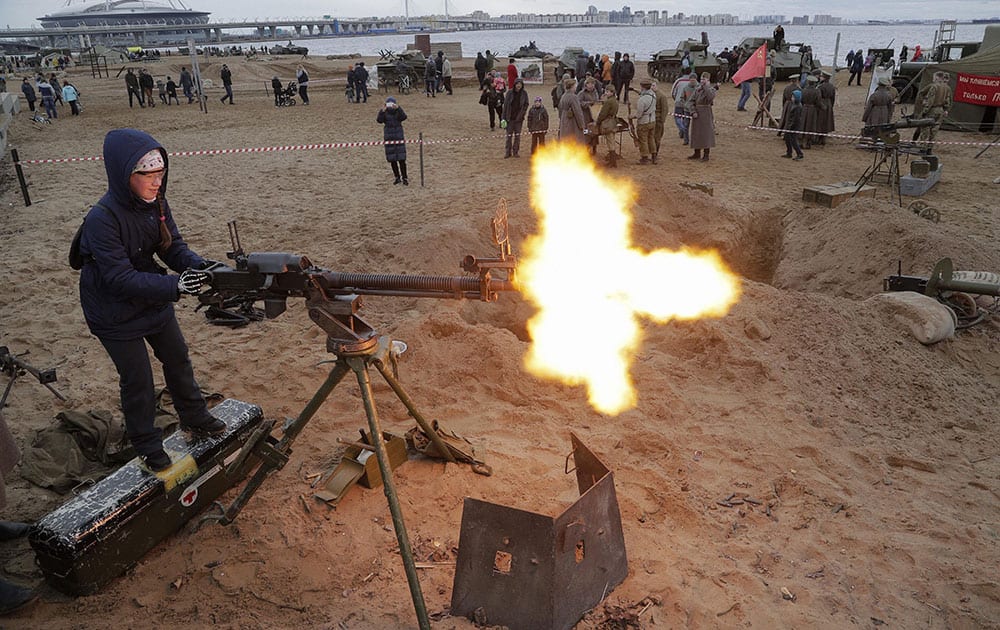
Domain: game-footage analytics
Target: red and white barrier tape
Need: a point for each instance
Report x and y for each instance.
(376, 143)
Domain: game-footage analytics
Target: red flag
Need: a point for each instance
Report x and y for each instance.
(754, 66)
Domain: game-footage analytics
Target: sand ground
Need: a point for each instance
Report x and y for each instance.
(877, 455)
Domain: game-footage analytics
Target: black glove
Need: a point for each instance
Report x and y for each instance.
(191, 281)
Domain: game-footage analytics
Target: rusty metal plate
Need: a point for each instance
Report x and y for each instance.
(529, 570)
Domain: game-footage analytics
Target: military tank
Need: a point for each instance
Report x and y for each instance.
(785, 62)
(667, 63)
(290, 49)
(530, 52)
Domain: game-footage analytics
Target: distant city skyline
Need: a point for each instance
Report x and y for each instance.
(24, 13)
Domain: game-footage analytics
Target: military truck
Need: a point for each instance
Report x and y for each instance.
(667, 63)
(906, 76)
(784, 62)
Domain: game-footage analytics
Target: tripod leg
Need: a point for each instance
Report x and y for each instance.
(428, 428)
(360, 367)
(273, 458)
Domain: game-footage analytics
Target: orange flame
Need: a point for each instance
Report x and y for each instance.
(591, 284)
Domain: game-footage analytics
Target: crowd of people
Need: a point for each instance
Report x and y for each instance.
(51, 92)
(586, 101)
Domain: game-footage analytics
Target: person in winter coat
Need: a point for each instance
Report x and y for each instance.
(515, 108)
(857, 66)
(391, 115)
(187, 83)
(702, 129)
(127, 297)
(29, 93)
(48, 94)
(302, 78)
(71, 96)
(645, 120)
(446, 73)
(439, 71)
(538, 124)
(616, 74)
(430, 78)
(56, 87)
(626, 74)
(146, 85)
(810, 110)
(826, 121)
(227, 82)
(511, 72)
(662, 111)
(571, 121)
(172, 91)
(132, 85)
(360, 83)
(482, 66)
(791, 124)
(880, 105)
(606, 126)
(605, 70)
(276, 87)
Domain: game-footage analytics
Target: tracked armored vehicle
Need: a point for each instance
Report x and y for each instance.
(785, 62)
(667, 64)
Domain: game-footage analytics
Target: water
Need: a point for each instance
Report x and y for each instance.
(642, 41)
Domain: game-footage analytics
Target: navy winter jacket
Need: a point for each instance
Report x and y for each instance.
(125, 294)
(392, 118)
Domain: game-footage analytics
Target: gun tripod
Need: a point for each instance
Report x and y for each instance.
(885, 162)
(355, 356)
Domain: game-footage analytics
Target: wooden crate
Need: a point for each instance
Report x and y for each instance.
(832, 195)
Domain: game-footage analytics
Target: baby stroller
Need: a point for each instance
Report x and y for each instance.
(286, 97)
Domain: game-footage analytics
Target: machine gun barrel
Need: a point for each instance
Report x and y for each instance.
(883, 130)
(405, 285)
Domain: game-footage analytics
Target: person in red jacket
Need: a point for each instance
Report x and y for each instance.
(511, 72)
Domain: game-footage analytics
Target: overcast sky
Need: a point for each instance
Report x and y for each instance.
(22, 13)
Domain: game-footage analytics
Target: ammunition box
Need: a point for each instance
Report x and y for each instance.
(105, 530)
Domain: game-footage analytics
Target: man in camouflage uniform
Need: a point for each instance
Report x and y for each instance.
(933, 101)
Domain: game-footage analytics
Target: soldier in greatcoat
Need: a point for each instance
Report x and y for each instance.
(880, 105)
(810, 111)
(827, 99)
(703, 119)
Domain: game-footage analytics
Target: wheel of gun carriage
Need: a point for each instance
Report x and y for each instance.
(925, 211)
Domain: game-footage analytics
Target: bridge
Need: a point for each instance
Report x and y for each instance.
(152, 34)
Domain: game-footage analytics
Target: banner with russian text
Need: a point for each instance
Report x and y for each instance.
(978, 90)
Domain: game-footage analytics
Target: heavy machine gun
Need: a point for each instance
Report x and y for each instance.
(333, 297)
(333, 300)
(951, 287)
(888, 133)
